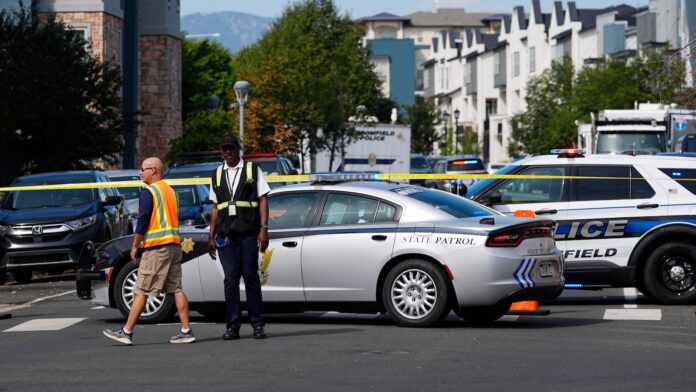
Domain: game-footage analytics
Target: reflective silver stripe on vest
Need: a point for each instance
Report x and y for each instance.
(160, 233)
(250, 178)
(160, 208)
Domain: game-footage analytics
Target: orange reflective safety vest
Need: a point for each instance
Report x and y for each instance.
(164, 221)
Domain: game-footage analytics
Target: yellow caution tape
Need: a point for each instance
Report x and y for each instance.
(308, 177)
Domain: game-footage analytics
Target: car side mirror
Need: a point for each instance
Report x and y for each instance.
(491, 198)
(111, 201)
(459, 189)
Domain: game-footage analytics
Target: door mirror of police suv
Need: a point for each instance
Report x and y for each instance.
(110, 201)
(491, 198)
(460, 190)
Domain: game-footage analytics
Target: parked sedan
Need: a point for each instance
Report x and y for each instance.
(363, 246)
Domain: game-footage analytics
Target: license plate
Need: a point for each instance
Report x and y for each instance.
(546, 269)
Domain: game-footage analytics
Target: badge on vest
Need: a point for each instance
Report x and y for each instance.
(232, 210)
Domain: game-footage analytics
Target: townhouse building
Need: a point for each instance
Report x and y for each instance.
(497, 66)
(143, 38)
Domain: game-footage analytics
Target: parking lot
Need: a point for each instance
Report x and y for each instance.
(614, 339)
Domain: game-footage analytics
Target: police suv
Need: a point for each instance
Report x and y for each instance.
(622, 221)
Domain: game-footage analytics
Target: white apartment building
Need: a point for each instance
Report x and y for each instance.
(496, 67)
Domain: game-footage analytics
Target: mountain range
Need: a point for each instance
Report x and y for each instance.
(234, 30)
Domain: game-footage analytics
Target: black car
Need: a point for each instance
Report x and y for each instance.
(46, 229)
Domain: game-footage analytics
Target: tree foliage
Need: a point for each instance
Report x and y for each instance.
(557, 98)
(54, 94)
(423, 117)
(207, 75)
(546, 122)
(309, 72)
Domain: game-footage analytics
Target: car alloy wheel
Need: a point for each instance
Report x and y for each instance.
(153, 304)
(413, 294)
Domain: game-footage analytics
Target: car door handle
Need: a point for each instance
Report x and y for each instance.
(647, 205)
(289, 244)
(546, 212)
(379, 237)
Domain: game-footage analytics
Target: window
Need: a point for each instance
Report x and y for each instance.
(382, 69)
(105, 43)
(420, 36)
(290, 210)
(516, 64)
(387, 34)
(467, 72)
(496, 63)
(346, 209)
(532, 59)
(534, 190)
(624, 183)
(457, 206)
(683, 177)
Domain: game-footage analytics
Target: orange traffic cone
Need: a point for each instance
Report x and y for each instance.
(527, 308)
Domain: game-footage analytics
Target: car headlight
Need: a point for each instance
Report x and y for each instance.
(82, 222)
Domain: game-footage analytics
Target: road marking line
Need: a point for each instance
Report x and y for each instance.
(98, 307)
(52, 324)
(7, 309)
(50, 296)
(633, 314)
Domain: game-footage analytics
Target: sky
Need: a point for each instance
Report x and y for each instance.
(361, 8)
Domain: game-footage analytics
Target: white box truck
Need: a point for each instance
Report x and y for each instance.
(646, 129)
(384, 148)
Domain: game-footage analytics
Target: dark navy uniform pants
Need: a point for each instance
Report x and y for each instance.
(240, 259)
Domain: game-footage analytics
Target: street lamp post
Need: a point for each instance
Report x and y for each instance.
(456, 131)
(241, 89)
(445, 118)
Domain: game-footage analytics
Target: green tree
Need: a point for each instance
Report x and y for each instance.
(549, 121)
(326, 75)
(207, 93)
(469, 143)
(423, 117)
(54, 94)
(655, 76)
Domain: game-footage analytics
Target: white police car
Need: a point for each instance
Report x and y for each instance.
(622, 220)
(365, 246)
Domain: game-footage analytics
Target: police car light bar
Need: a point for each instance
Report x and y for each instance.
(568, 152)
(341, 177)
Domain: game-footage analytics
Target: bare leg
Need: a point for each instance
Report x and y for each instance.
(182, 307)
(135, 311)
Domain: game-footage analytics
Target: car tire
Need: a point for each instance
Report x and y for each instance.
(669, 274)
(482, 315)
(404, 293)
(22, 276)
(156, 309)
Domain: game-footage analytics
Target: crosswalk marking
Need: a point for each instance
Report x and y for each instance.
(52, 324)
(633, 314)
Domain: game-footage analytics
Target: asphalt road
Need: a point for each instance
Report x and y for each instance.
(592, 341)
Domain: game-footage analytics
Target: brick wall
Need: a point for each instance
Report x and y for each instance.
(159, 95)
(104, 31)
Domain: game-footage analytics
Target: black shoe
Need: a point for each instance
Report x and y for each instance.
(259, 333)
(231, 334)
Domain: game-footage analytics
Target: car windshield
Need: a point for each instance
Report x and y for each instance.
(456, 206)
(480, 185)
(465, 165)
(629, 142)
(128, 192)
(419, 163)
(269, 168)
(186, 195)
(20, 200)
(193, 171)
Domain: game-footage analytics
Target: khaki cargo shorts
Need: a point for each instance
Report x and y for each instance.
(160, 271)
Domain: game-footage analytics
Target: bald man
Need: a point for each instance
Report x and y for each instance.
(157, 234)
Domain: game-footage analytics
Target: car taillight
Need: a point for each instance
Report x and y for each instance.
(513, 238)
